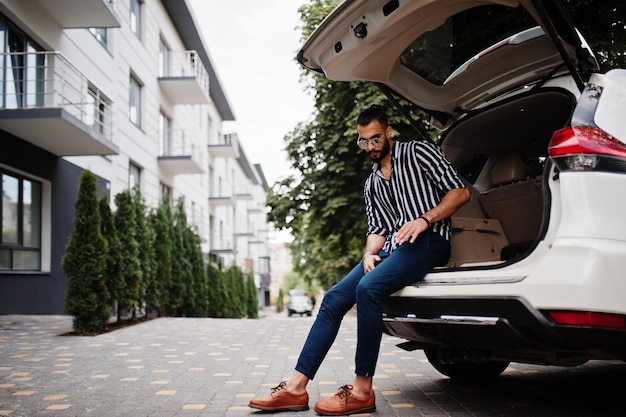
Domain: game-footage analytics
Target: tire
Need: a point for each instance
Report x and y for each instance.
(466, 371)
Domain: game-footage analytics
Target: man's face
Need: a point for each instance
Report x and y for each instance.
(375, 131)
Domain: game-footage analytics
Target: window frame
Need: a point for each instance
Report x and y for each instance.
(135, 93)
(42, 245)
(135, 17)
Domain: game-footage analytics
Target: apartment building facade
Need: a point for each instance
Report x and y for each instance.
(127, 90)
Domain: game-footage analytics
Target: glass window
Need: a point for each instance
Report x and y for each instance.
(165, 141)
(135, 17)
(20, 240)
(22, 69)
(134, 175)
(100, 34)
(436, 54)
(166, 192)
(134, 101)
(163, 59)
(97, 110)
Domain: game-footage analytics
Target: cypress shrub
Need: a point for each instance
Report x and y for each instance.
(280, 304)
(214, 282)
(115, 281)
(145, 240)
(252, 300)
(84, 262)
(126, 223)
(158, 296)
(182, 294)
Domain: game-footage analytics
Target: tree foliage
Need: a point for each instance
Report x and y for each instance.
(85, 262)
(130, 263)
(114, 279)
(322, 202)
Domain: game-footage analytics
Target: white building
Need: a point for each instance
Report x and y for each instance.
(125, 89)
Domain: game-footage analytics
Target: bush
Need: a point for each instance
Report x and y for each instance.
(85, 262)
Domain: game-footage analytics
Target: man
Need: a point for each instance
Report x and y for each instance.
(409, 197)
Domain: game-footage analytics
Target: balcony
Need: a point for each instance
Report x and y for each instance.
(221, 200)
(47, 102)
(179, 155)
(227, 146)
(82, 13)
(184, 79)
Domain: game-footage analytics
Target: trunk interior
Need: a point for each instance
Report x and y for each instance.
(501, 152)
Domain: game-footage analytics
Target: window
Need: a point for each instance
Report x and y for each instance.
(134, 101)
(22, 69)
(100, 34)
(438, 53)
(163, 59)
(20, 240)
(97, 110)
(134, 175)
(166, 193)
(135, 17)
(165, 140)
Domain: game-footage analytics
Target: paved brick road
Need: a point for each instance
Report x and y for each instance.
(207, 367)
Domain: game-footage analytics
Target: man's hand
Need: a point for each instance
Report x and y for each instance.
(411, 230)
(369, 261)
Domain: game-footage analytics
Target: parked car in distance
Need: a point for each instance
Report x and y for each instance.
(537, 272)
(299, 303)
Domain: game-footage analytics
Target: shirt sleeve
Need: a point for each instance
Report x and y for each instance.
(438, 168)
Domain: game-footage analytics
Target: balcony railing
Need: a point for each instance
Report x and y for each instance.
(183, 78)
(225, 146)
(47, 101)
(180, 155)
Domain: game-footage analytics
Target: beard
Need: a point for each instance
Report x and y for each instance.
(378, 156)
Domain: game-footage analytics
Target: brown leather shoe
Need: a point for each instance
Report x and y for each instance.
(282, 400)
(344, 403)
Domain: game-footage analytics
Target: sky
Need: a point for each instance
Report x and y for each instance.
(252, 45)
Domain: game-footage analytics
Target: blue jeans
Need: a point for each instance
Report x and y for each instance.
(408, 263)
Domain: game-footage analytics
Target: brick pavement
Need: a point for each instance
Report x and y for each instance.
(213, 367)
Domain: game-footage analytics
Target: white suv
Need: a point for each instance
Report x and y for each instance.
(538, 266)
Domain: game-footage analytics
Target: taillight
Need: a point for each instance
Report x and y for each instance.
(588, 319)
(581, 147)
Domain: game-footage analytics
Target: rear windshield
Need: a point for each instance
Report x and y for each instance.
(436, 54)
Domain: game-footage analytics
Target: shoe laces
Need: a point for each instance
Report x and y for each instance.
(278, 387)
(344, 392)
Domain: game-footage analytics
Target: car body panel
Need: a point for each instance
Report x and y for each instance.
(610, 112)
(335, 49)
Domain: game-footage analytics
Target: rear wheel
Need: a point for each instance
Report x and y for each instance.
(465, 370)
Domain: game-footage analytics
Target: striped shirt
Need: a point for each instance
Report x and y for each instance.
(420, 176)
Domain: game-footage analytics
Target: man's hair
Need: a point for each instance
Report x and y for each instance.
(373, 112)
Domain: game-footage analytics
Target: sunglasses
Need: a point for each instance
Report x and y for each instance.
(363, 143)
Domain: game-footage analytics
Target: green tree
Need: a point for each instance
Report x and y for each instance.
(199, 281)
(163, 227)
(252, 299)
(215, 278)
(237, 292)
(322, 202)
(181, 292)
(84, 262)
(603, 24)
(126, 224)
(145, 239)
(280, 303)
(114, 279)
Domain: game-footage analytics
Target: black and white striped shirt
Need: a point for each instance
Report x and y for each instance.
(420, 176)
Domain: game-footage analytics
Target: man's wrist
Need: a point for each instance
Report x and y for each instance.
(428, 223)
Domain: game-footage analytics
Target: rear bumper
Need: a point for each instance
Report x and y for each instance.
(497, 328)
